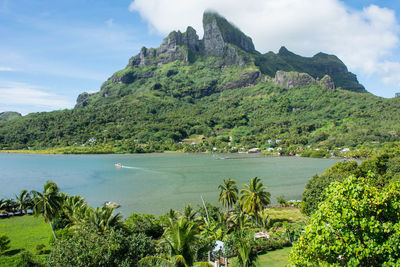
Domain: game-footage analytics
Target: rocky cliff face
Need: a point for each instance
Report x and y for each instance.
(317, 66)
(221, 39)
(226, 47)
(292, 79)
(174, 47)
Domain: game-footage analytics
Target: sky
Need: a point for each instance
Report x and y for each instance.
(51, 51)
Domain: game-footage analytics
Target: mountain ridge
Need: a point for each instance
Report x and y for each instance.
(225, 41)
(230, 100)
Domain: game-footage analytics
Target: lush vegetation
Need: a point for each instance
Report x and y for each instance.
(356, 225)
(223, 107)
(354, 220)
(8, 115)
(262, 116)
(27, 234)
(385, 168)
(86, 236)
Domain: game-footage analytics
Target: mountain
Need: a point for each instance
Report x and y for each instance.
(228, 48)
(8, 115)
(218, 92)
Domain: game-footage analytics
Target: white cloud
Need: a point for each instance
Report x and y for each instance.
(6, 69)
(26, 96)
(364, 39)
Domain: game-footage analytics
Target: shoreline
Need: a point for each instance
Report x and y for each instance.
(54, 152)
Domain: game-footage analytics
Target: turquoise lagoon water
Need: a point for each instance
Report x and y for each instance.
(153, 183)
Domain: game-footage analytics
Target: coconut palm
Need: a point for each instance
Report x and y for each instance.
(49, 203)
(75, 209)
(23, 201)
(103, 218)
(4, 206)
(228, 194)
(189, 214)
(239, 219)
(181, 236)
(254, 197)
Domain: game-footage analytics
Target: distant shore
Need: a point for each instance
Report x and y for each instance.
(62, 152)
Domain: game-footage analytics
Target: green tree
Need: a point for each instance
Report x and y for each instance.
(88, 247)
(23, 201)
(357, 224)
(26, 259)
(49, 203)
(145, 223)
(254, 197)
(247, 256)
(181, 236)
(314, 191)
(281, 200)
(265, 220)
(228, 193)
(104, 218)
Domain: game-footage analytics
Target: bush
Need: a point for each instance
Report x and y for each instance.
(4, 243)
(276, 241)
(26, 260)
(145, 223)
(89, 248)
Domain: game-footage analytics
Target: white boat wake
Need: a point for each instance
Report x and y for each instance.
(129, 167)
(119, 165)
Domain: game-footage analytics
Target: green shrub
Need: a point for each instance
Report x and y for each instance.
(4, 243)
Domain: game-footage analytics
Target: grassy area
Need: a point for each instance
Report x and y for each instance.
(25, 233)
(289, 214)
(274, 258)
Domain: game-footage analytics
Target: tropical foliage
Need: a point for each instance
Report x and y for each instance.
(385, 167)
(254, 197)
(141, 117)
(228, 193)
(48, 204)
(356, 225)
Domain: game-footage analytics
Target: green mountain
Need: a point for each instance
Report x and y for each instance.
(217, 92)
(8, 115)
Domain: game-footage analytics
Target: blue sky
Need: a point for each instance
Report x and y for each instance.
(50, 51)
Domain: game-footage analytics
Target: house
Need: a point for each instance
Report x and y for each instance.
(254, 150)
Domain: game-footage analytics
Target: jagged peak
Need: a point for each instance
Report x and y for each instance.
(283, 51)
(217, 29)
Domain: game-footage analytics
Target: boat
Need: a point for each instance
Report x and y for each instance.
(112, 204)
(118, 165)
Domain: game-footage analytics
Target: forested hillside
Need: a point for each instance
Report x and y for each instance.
(219, 92)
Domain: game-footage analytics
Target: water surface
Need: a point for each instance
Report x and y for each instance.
(153, 183)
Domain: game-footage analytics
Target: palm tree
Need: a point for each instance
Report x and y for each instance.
(247, 257)
(103, 218)
(48, 203)
(23, 201)
(254, 197)
(229, 193)
(7, 205)
(189, 214)
(265, 221)
(239, 219)
(75, 209)
(181, 235)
